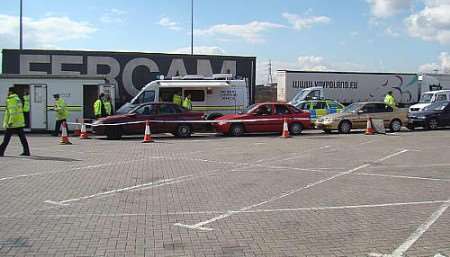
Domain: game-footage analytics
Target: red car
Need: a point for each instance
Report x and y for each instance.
(274, 112)
(150, 111)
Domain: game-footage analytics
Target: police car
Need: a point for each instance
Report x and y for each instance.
(320, 107)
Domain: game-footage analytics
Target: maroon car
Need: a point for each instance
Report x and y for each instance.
(263, 118)
(152, 112)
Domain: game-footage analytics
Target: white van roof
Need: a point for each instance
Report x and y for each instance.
(197, 83)
(438, 91)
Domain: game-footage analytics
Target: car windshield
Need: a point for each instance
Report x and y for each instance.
(300, 96)
(426, 98)
(352, 107)
(436, 106)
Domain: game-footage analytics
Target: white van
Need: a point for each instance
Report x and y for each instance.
(214, 96)
(430, 97)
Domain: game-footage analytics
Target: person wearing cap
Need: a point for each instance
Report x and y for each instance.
(99, 107)
(14, 122)
(61, 113)
(108, 106)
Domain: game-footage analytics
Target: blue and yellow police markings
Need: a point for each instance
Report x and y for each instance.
(319, 108)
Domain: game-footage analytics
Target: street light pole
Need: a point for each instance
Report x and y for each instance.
(192, 27)
(21, 25)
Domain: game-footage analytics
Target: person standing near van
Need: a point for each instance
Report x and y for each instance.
(61, 113)
(390, 100)
(187, 102)
(26, 108)
(99, 107)
(108, 106)
(14, 122)
(177, 99)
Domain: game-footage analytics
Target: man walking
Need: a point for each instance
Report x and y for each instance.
(61, 113)
(176, 99)
(14, 122)
(390, 100)
(99, 107)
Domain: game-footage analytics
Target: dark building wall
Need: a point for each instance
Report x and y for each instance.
(129, 71)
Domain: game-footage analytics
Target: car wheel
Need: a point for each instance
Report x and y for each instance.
(113, 133)
(395, 126)
(237, 130)
(345, 127)
(296, 129)
(184, 131)
(432, 124)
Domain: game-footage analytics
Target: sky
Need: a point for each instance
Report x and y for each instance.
(325, 35)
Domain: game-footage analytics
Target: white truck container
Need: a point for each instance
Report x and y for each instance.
(215, 96)
(350, 87)
(79, 93)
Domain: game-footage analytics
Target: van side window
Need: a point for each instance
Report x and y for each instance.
(146, 97)
(441, 97)
(196, 95)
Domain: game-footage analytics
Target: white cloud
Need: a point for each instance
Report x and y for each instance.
(206, 50)
(301, 23)
(42, 33)
(442, 67)
(113, 16)
(432, 23)
(250, 32)
(391, 32)
(313, 63)
(168, 23)
(387, 8)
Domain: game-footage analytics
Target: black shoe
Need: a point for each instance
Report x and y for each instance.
(25, 154)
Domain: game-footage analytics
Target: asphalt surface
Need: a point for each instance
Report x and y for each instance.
(311, 195)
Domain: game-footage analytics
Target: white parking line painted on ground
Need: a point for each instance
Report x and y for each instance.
(70, 170)
(146, 185)
(416, 235)
(403, 177)
(296, 155)
(368, 142)
(199, 226)
(255, 211)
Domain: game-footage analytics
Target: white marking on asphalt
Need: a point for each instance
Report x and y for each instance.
(404, 177)
(70, 170)
(368, 142)
(401, 250)
(199, 226)
(296, 155)
(146, 185)
(416, 235)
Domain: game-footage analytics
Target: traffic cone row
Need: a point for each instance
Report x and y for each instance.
(64, 135)
(285, 133)
(370, 130)
(77, 131)
(148, 134)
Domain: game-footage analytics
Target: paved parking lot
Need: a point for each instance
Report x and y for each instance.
(312, 195)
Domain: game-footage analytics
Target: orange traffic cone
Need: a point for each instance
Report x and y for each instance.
(370, 131)
(148, 134)
(77, 131)
(83, 133)
(64, 135)
(285, 133)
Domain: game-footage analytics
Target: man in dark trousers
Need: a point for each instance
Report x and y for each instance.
(14, 122)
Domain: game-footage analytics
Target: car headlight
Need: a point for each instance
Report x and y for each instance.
(222, 123)
(422, 117)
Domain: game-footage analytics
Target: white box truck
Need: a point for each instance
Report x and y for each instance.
(350, 87)
(79, 93)
(215, 96)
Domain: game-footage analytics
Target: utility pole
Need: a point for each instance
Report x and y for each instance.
(21, 26)
(192, 27)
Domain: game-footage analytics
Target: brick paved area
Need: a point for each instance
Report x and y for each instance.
(312, 195)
